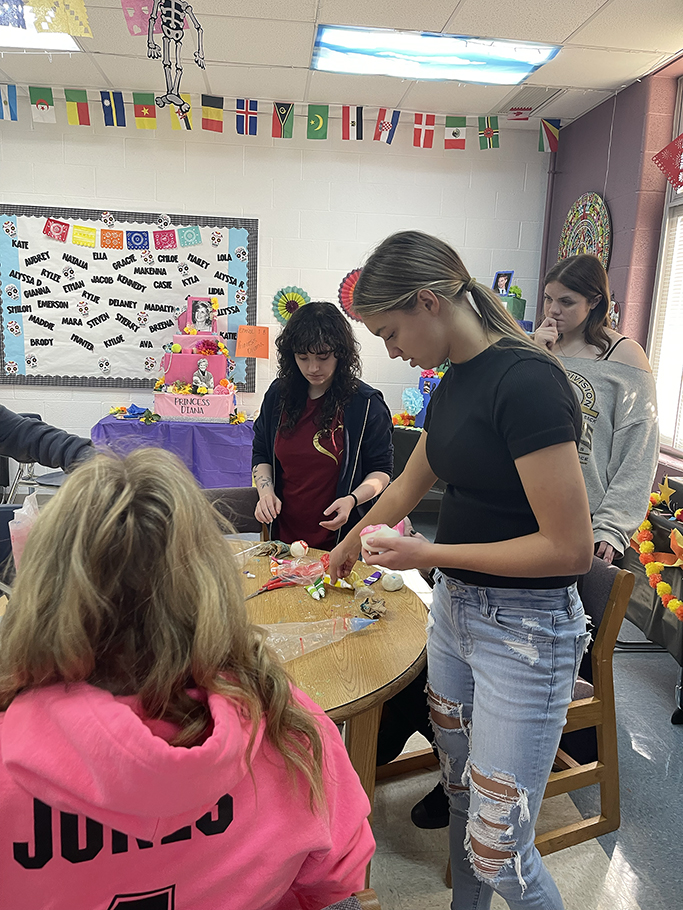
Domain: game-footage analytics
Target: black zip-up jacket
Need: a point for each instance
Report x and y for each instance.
(367, 444)
(26, 439)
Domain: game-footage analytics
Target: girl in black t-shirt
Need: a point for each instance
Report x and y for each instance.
(507, 629)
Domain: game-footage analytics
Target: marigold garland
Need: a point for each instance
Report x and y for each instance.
(653, 568)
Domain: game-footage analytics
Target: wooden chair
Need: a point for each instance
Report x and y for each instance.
(361, 900)
(237, 504)
(605, 592)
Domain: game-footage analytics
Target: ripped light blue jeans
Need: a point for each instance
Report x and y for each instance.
(502, 662)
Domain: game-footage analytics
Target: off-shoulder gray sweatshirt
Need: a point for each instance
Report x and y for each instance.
(619, 446)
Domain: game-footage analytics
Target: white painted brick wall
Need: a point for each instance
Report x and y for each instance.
(322, 207)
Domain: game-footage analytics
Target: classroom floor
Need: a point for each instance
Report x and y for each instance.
(635, 868)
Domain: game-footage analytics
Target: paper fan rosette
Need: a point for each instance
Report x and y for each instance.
(287, 301)
(346, 294)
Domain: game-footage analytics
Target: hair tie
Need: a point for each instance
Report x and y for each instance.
(470, 284)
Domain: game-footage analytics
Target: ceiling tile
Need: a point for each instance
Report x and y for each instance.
(268, 83)
(533, 20)
(579, 67)
(339, 88)
(294, 10)
(427, 17)
(572, 104)
(72, 71)
(454, 97)
(622, 23)
(264, 41)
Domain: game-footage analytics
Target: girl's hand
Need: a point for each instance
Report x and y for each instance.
(399, 552)
(343, 558)
(606, 552)
(342, 507)
(546, 334)
(268, 507)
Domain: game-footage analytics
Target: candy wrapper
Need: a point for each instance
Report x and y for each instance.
(20, 526)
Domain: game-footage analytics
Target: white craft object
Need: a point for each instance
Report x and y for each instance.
(376, 531)
(392, 581)
(298, 548)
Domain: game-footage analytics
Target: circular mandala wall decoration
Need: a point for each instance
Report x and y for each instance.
(587, 229)
(346, 294)
(287, 301)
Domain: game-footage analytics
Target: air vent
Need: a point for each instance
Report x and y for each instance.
(529, 96)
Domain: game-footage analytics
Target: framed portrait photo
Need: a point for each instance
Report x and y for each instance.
(501, 283)
(201, 315)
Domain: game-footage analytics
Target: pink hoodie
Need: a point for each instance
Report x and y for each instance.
(99, 812)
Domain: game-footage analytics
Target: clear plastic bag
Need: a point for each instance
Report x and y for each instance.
(292, 639)
(302, 571)
(22, 523)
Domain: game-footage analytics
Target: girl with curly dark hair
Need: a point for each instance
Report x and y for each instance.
(322, 433)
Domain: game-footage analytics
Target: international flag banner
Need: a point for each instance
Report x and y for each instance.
(283, 120)
(8, 102)
(181, 120)
(549, 135)
(246, 122)
(488, 133)
(212, 113)
(318, 116)
(519, 113)
(454, 132)
(42, 104)
(352, 122)
(77, 110)
(145, 110)
(113, 108)
(385, 129)
(423, 131)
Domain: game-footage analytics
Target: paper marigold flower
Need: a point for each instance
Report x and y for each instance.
(674, 605)
(653, 567)
(644, 535)
(647, 547)
(655, 498)
(646, 525)
(666, 598)
(679, 612)
(655, 580)
(663, 588)
(646, 558)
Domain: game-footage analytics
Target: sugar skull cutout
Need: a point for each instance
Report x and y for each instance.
(142, 318)
(240, 296)
(83, 307)
(184, 269)
(31, 361)
(104, 365)
(68, 272)
(108, 219)
(11, 367)
(12, 291)
(241, 254)
(147, 257)
(14, 327)
(150, 364)
(163, 221)
(10, 228)
(216, 238)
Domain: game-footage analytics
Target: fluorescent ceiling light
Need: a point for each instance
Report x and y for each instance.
(425, 55)
(29, 38)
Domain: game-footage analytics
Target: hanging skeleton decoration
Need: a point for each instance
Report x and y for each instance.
(173, 13)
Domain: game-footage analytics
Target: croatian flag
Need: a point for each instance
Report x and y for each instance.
(384, 128)
(423, 131)
(352, 122)
(8, 102)
(246, 120)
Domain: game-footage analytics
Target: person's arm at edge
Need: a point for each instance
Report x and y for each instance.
(563, 544)
(28, 440)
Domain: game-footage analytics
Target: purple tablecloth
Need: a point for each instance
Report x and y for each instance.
(218, 454)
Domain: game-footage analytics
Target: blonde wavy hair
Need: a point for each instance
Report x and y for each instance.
(127, 583)
(409, 261)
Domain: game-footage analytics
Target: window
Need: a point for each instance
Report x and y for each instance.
(666, 329)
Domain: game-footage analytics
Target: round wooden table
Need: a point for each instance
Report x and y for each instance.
(352, 678)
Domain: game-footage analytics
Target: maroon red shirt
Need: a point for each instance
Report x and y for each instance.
(310, 460)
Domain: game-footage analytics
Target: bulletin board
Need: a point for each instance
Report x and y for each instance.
(90, 298)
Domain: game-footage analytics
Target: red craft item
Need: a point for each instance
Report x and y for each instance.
(346, 294)
(56, 230)
(670, 163)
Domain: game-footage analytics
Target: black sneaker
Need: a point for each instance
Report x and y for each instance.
(433, 810)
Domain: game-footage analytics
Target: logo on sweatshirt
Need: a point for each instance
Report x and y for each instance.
(586, 395)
